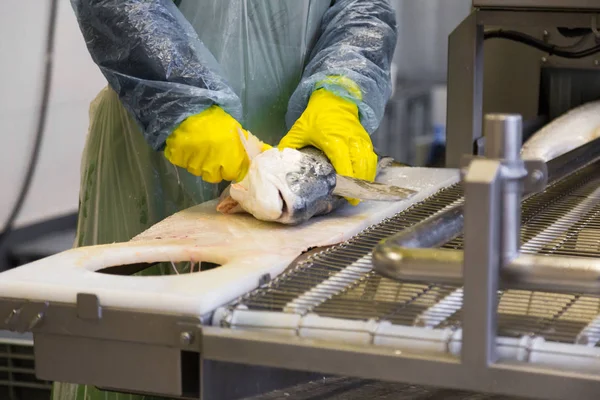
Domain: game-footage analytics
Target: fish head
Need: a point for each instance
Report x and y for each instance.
(286, 186)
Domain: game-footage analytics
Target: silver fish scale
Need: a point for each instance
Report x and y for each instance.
(339, 282)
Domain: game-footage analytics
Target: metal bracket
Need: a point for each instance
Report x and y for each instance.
(121, 348)
(88, 307)
(534, 175)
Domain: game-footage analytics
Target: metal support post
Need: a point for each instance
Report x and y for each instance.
(493, 191)
(481, 263)
(465, 89)
(504, 138)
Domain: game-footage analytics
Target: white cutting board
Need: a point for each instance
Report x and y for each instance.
(246, 248)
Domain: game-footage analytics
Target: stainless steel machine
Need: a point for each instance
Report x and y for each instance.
(442, 294)
(547, 65)
(489, 285)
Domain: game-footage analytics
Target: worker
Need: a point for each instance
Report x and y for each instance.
(184, 75)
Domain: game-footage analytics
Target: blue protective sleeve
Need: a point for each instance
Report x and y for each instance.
(154, 60)
(358, 39)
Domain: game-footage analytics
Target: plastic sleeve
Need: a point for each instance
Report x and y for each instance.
(357, 41)
(155, 62)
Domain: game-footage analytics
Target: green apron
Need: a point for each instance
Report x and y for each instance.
(126, 187)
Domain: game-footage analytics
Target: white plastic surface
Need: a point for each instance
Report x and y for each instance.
(272, 322)
(245, 247)
(314, 326)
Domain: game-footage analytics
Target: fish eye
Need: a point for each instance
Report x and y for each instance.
(293, 177)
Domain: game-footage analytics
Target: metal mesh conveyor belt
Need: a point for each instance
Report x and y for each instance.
(342, 388)
(338, 282)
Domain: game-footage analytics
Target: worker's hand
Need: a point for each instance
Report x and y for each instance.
(331, 124)
(209, 145)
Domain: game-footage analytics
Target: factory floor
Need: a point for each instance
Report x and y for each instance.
(360, 389)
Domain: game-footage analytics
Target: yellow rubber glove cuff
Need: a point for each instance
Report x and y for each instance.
(208, 145)
(343, 82)
(331, 124)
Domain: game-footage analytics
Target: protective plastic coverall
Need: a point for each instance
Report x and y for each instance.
(259, 60)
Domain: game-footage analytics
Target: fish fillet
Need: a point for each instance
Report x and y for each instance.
(574, 129)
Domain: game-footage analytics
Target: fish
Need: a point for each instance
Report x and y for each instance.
(290, 186)
(573, 129)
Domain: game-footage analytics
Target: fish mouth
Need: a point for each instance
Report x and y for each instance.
(284, 206)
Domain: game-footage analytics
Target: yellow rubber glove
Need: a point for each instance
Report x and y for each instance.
(331, 124)
(208, 145)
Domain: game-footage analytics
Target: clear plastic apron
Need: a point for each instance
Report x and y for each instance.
(126, 187)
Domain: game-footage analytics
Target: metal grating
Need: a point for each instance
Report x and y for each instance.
(17, 373)
(294, 283)
(556, 217)
(337, 388)
(565, 219)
